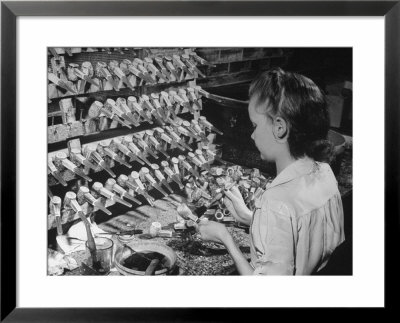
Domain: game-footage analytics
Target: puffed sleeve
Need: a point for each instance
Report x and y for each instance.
(277, 238)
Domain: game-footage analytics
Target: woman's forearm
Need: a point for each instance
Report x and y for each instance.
(245, 216)
(242, 265)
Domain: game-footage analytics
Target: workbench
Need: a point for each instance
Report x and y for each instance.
(195, 257)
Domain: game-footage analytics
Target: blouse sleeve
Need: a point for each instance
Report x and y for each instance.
(278, 242)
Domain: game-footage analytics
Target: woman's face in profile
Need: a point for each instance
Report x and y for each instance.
(262, 131)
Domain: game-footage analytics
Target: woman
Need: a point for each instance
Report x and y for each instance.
(298, 221)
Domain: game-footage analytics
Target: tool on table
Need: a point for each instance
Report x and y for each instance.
(196, 160)
(103, 72)
(186, 124)
(152, 141)
(161, 177)
(178, 63)
(112, 185)
(173, 176)
(194, 124)
(185, 100)
(84, 191)
(55, 172)
(187, 166)
(135, 106)
(85, 76)
(135, 71)
(170, 67)
(150, 67)
(145, 175)
(98, 187)
(122, 181)
(70, 201)
(203, 121)
(126, 151)
(114, 68)
(146, 148)
(109, 113)
(191, 65)
(192, 97)
(111, 105)
(155, 100)
(90, 152)
(200, 60)
(175, 166)
(62, 157)
(113, 155)
(136, 185)
(77, 156)
(140, 66)
(132, 146)
(146, 102)
(163, 70)
(121, 103)
(177, 139)
(55, 209)
(212, 155)
(63, 84)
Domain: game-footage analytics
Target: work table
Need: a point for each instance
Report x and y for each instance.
(194, 257)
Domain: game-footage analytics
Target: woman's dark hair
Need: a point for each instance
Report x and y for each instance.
(302, 104)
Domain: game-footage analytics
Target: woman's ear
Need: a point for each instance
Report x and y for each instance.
(280, 129)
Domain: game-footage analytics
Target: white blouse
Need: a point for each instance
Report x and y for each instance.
(298, 221)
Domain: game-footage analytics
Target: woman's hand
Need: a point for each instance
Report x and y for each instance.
(235, 204)
(212, 231)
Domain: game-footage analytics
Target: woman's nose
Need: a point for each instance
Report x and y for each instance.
(252, 135)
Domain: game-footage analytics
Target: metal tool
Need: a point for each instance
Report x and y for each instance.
(121, 103)
(136, 185)
(191, 65)
(178, 63)
(135, 106)
(160, 176)
(187, 166)
(103, 72)
(90, 152)
(148, 62)
(170, 67)
(177, 139)
(163, 70)
(173, 176)
(98, 187)
(146, 148)
(200, 60)
(146, 102)
(114, 156)
(138, 152)
(54, 79)
(140, 65)
(71, 166)
(114, 68)
(125, 150)
(192, 97)
(55, 209)
(112, 185)
(155, 100)
(151, 140)
(209, 125)
(82, 160)
(55, 172)
(144, 174)
(92, 200)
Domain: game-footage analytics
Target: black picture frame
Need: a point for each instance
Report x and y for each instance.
(11, 10)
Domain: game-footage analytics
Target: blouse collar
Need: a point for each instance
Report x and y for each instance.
(300, 167)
